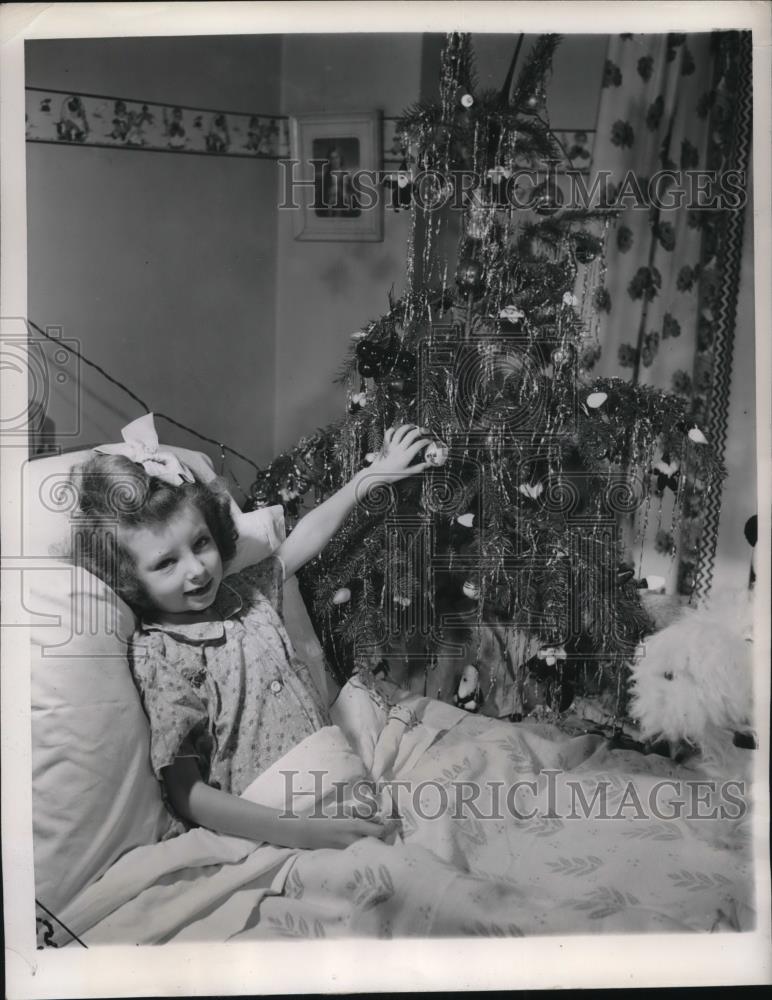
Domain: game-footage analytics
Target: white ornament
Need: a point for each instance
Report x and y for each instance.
(499, 173)
(531, 491)
(667, 468)
(436, 453)
(569, 299)
(512, 314)
(403, 179)
(402, 601)
(696, 435)
(370, 457)
(359, 334)
(359, 399)
(470, 679)
(342, 596)
(467, 100)
(287, 494)
(596, 399)
(465, 520)
(471, 589)
(551, 655)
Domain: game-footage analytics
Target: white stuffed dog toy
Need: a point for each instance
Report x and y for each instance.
(694, 682)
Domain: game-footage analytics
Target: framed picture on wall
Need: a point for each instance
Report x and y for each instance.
(334, 176)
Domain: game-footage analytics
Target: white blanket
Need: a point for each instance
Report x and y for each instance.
(457, 875)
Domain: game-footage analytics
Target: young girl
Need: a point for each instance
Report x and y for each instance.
(225, 694)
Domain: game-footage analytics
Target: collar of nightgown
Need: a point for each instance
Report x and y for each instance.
(226, 604)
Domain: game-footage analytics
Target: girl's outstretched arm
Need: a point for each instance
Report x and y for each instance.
(236, 817)
(314, 531)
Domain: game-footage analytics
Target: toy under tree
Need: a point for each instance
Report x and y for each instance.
(497, 580)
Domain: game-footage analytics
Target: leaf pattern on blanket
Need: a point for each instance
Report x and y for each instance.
(575, 866)
(479, 929)
(654, 831)
(289, 927)
(694, 881)
(604, 902)
(367, 890)
(293, 887)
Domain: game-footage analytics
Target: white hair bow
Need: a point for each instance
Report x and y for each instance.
(140, 444)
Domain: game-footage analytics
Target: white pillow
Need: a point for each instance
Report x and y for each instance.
(94, 794)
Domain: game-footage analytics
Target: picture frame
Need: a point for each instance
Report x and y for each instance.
(338, 160)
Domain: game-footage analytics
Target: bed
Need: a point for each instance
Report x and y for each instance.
(582, 838)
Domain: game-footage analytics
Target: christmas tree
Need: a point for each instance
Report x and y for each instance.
(507, 556)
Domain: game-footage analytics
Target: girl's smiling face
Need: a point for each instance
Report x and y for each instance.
(178, 563)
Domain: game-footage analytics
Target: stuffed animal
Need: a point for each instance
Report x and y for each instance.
(694, 681)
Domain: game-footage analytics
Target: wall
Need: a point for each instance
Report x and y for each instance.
(325, 291)
(162, 266)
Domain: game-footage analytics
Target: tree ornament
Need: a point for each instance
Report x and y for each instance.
(696, 435)
(585, 248)
(667, 474)
(471, 589)
(546, 198)
(560, 357)
(468, 693)
(358, 400)
(469, 275)
(465, 520)
(532, 491)
(536, 103)
(341, 596)
(402, 600)
(551, 654)
(511, 314)
(370, 359)
(596, 399)
(436, 453)
(358, 335)
(370, 457)
(569, 299)
(467, 100)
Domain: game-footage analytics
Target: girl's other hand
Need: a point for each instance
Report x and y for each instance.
(337, 832)
(400, 447)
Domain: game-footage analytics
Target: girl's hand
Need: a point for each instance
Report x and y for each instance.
(337, 832)
(400, 447)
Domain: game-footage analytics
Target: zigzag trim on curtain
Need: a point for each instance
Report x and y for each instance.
(725, 310)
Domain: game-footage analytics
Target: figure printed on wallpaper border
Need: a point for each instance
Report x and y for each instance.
(72, 125)
(218, 138)
(174, 128)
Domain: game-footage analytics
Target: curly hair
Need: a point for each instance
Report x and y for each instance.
(114, 492)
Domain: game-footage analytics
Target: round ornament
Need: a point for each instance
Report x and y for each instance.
(471, 589)
(465, 520)
(436, 453)
(696, 435)
(596, 399)
(370, 457)
(341, 596)
(467, 100)
(585, 250)
(469, 274)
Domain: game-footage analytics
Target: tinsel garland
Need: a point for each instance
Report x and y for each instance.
(519, 525)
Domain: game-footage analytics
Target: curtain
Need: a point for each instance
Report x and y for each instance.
(668, 300)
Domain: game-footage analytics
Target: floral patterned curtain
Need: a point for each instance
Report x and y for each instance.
(676, 103)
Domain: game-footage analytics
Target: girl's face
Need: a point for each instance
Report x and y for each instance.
(178, 563)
